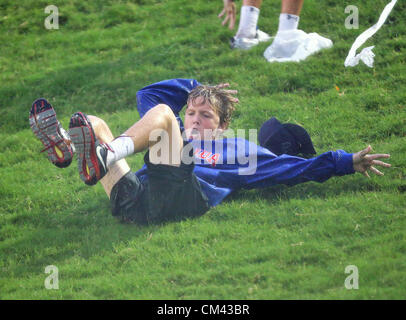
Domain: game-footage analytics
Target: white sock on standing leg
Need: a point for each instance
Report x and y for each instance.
(288, 22)
(247, 27)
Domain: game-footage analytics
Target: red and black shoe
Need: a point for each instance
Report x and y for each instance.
(49, 131)
(91, 153)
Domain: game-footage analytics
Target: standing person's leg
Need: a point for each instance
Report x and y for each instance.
(290, 43)
(292, 6)
(290, 12)
(248, 19)
(248, 34)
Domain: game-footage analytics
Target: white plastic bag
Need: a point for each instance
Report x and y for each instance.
(295, 45)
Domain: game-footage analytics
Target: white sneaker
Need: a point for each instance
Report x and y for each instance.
(248, 43)
(295, 45)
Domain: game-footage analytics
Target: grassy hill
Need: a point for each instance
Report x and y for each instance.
(275, 243)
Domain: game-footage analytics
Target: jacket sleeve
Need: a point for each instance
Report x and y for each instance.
(271, 170)
(173, 93)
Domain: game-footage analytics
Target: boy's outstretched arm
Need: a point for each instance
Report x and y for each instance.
(291, 170)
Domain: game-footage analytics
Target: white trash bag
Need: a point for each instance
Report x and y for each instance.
(295, 45)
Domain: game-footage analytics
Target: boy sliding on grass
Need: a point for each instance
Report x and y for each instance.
(188, 167)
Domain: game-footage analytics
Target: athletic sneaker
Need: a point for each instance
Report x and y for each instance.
(248, 43)
(91, 153)
(49, 131)
(295, 45)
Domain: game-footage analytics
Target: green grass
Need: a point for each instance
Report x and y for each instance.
(275, 243)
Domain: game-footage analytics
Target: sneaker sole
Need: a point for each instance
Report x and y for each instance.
(84, 139)
(46, 128)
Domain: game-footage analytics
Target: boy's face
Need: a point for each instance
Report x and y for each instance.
(201, 120)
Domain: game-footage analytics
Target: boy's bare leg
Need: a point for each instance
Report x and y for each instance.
(118, 169)
(159, 120)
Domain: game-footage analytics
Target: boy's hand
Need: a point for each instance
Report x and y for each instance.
(229, 10)
(362, 162)
(231, 92)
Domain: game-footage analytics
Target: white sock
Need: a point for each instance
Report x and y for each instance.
(288, 22)
(121, 147)
(248, 22)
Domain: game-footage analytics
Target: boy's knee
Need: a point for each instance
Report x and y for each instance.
(164, 113)
(96, 122)
(163, 108)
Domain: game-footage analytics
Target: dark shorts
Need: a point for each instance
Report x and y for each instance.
(169, 193)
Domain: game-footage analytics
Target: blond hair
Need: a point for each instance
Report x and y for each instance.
(220, 100)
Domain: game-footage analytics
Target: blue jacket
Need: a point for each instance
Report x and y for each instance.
(223, 166)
